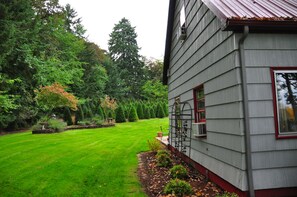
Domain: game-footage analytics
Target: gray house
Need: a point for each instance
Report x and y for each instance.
(231, 70)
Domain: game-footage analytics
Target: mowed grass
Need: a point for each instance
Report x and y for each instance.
(92, 162)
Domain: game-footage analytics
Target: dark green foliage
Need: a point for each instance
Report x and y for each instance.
(227, 194)
(147, 113)
(162, 152)
(165, 108)
(120, 116)
(178, 187)
(152, 112)
(140, 111)
(67, 116)
(100, 112)
(164, 160)
(179, 172)
(79, 114)
(133, 117)
(160, 111)
(154, 145)
(123, 50)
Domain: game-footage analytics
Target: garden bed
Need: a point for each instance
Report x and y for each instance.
(154, 178)
(73, 127)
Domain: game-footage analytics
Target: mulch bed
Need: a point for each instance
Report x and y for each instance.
(154, 178)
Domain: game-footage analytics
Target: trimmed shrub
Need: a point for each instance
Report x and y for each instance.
(178, 187)
(146, 111)
(227, 194)
(154, 145)
(179, 172)
(164, 160)
(152, 112)
(160, 111)
(57, 125)
(161, 152)
(120, 116)
(140, 111)
(133, 115)
(165, 108)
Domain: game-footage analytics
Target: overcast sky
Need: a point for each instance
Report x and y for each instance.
(148, 16)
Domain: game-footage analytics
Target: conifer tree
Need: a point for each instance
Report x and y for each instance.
(120, 116)
(133, 115)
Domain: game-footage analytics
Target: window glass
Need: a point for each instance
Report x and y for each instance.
(199, 104)
(286, 101)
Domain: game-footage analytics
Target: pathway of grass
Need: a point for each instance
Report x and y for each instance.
(94, 162)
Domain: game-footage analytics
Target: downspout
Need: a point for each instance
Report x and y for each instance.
(246, 113)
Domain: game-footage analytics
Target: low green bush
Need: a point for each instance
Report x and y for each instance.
(133, 117)
(154, 145)
(178, 187)
(161, 152)
(227, 194)
(97, 120)
(164, 160)
(179, 172)
(57, 124)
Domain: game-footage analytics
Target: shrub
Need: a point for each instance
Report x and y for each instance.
(160, 111)
(79, 114)
(146, 112)
(178, 187)
(227, 194)
(179, 172)
(154, 145)
(152, 112)
(164, 160)
(97, 120)
(160, 152)
(133, 115)
(57, 125)
(100, 112)
(139, 111)
(120, 116)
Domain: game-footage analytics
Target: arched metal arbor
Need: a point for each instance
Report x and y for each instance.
(181, 127)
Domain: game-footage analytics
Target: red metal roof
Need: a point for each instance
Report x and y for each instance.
(274, 10)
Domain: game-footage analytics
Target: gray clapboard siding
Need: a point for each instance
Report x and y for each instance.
(226, 111)
(275, 178)
(231, 142)
(268, 58)
(234, 175)
(224, 96)
(262, 126)
(230, 157)
(261, 109)
(259, 92)
(276, 159)
(260, 143)
(228, 126)
(271, 41)
(258, 75)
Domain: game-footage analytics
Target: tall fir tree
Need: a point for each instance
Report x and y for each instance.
(124, 51)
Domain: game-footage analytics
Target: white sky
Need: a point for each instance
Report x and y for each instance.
(148, 16)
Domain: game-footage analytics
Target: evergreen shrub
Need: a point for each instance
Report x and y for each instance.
(179, 172)
(178, 188)
(120, 116)
(140, 110)
(160, 111)
(133, 117)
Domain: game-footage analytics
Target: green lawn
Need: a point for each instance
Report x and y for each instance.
(93, 162)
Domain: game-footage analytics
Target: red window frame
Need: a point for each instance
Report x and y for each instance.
(199, 104)
(278, 135)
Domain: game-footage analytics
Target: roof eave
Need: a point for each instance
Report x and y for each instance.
(170, 22)
(262, 26)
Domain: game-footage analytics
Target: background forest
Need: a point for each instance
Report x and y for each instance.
(48, 66)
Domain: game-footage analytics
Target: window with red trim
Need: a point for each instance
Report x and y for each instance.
(199, 105)
(284, 82)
